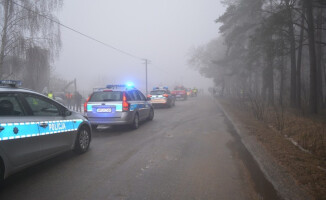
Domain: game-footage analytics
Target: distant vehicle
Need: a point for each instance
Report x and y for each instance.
(34, 128)
(118, 105)
(161, 96)
(189, 92)
(180, 93)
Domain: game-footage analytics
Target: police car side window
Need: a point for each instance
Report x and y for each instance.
(41, 107)
(10, 106)
(130, 96)
(136, 95)
(142, 97)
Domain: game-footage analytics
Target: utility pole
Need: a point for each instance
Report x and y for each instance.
(146, 63)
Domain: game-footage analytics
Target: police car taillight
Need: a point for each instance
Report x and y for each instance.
(125, 104)
(85, 104)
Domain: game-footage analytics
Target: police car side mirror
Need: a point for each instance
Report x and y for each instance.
(67, 113)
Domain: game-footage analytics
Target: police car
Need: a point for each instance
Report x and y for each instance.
(161, 96)
(118, 105)
(34, 128)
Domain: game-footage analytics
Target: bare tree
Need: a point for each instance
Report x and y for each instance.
(26, 24)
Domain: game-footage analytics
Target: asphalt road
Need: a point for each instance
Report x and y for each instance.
(186, 152)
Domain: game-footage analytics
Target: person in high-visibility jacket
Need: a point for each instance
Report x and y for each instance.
(194, 91)
(50, 95)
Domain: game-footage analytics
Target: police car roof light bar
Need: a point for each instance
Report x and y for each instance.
(161, 88)
(11, 83)
(129, 85)
(115, 86)
(98, 89)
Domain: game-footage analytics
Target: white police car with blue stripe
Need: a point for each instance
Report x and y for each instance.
(118, 105)
(34, 128)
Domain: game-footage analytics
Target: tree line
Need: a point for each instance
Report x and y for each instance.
(29, 40)
(271, 48)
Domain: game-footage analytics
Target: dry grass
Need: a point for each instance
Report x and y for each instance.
(274, 133)
(308, 131)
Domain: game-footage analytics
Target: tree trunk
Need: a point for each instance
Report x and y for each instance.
(292, 56)
(271, 84)
(269, 76)
(319, 59)
(312, 57)
(299, 62)
(281, 84)
(282, 74)
(4, 36)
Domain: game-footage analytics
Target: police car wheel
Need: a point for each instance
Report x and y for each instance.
(135, 123)
(151, 115)
(83, 140)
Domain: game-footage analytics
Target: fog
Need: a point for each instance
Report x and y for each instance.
(161, 31)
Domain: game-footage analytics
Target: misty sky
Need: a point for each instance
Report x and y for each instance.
(162, 31)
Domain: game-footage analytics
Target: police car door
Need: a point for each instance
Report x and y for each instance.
(19, 141)
(135, 105)
(143, 107)
(55, 129)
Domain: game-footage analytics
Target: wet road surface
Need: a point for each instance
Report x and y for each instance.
(187, 152)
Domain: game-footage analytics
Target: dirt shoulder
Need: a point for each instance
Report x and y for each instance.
(295, 172)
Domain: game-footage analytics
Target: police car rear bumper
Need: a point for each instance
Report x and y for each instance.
(126, 118)
(159, 101)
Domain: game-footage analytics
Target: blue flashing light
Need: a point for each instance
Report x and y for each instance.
(11, 83)
(130, 85)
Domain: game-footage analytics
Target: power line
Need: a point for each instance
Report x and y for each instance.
(94, 39)
(78, 32)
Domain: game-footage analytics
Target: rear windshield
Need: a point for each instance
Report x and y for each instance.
(106, 96)
(157, 92)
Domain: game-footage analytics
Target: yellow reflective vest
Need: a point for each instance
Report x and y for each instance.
(50, 95)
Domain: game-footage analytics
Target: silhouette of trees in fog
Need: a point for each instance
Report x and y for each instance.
(272, 48)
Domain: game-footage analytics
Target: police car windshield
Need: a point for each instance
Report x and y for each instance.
(106, 96)
(158, 92)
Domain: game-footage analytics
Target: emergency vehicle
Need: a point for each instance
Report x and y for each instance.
(118, 105)
(34, 127)
(180, 93)
(161, 96)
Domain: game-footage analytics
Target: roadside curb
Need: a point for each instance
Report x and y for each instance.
(283, 183)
